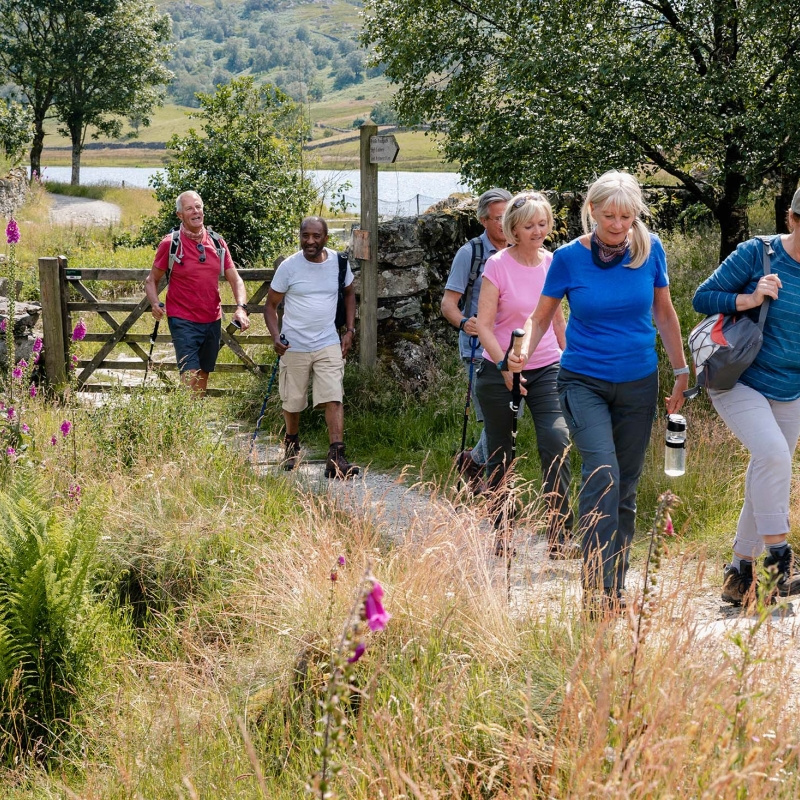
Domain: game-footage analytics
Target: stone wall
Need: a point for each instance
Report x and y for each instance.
(13, 191)
(415, 254)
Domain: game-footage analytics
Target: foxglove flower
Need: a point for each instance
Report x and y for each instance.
(53, 440)
(12, 231)
(10, 452)
(79, 332)
(17, 373)
(25, 428)
(66, 427)
(359, 651)
(10, 412)
(376, 615)
(32, 391)
(37, 345)
(3, 325)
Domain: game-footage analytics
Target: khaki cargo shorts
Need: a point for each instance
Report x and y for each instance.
(296, 370)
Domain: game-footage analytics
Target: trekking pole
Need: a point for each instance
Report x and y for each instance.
(266, 396)
(152, 345)
(473, 340)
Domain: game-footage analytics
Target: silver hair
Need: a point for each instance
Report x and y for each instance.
(487, 198)
(179, 204)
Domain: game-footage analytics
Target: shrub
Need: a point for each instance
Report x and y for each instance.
(46, 619)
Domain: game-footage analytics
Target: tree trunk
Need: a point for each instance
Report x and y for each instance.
(36, 148)
(783, 200)
(77, 147)
(733, 224)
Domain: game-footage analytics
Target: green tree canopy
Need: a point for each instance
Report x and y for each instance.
(246, 164)
(16, 129)
(551, 94)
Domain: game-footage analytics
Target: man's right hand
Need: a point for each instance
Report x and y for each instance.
(280, 345)
(157, 312)
(471, 326)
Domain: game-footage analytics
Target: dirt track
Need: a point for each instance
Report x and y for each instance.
(82, 212)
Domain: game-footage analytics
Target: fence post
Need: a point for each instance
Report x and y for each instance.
(368, 309)
(53, 295)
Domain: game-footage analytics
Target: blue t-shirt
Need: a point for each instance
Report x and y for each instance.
(610, 332)
(776, 369)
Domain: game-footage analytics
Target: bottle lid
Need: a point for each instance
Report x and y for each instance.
(676, 422)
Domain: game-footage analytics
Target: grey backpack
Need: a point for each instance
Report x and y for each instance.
(723, 346)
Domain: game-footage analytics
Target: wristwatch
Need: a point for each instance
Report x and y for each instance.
(464, 321)
(350, 330)
(242, 305)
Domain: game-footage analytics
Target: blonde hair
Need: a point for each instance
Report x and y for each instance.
(622, 191)
(530, 205)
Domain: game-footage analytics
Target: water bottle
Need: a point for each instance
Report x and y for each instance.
(675, 450)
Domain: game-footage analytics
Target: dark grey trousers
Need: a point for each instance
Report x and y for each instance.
(610, 424)
(552, 435)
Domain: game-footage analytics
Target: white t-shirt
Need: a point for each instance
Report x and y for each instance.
(309, 308)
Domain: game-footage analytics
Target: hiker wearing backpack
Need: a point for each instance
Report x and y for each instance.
(460, 308)
(762, 409)
(193, 257)
(311, 284)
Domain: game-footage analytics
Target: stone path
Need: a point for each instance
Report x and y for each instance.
(82, 211)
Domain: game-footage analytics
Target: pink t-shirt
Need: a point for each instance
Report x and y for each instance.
(193, 291)
(520, 288)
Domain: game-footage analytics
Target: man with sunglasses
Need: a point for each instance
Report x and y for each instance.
(193, 304)
(460, 308)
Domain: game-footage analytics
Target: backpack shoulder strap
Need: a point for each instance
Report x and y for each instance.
(342, 269)
(767, 252)
(220, 248)
(474, 270)
(174, 248)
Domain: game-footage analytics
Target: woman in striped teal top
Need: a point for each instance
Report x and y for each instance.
(763, 408)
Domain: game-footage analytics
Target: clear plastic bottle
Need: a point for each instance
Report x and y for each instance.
(675, 450)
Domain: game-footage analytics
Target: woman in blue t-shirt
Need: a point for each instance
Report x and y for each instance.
(615, 280)
(763, 408)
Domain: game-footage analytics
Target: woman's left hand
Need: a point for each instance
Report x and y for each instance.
(676, 400)
(508, 377)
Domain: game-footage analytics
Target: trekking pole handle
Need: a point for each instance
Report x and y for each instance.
(516, 340)
(155, 328)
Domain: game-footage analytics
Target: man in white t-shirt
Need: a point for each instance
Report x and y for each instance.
(307, 283)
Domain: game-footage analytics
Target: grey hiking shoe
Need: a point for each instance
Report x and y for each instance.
(782, 567)
(737, 584)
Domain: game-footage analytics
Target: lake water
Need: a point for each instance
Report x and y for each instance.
(399, 193)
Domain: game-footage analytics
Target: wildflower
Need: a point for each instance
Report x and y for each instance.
(23, 363)
(37, 345)
(53, 440)
(25, 428)
(340, 561)
(79, 333)
(10, 412)
(10, 452)
(359, 651)
(12, 231)
(66, 427)
(376, 615)
(3, 325)
(74, 491)
(32, 391)
(17, 373)
(334, 576)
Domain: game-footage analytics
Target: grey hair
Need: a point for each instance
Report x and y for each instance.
(487, 198)
(179, 200)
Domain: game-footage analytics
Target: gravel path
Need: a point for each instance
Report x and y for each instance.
(82, 211)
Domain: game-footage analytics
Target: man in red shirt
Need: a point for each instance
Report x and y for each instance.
(193, 307)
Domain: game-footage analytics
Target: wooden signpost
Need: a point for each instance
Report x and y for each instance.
(374, 150)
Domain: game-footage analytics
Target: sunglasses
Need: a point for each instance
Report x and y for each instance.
(520, 201)
(202, 250)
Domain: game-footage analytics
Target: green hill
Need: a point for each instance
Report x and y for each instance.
(309, 48)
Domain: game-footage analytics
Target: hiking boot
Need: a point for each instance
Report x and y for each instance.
(782, 566)
(500, 546)
(737, 584)
(291, 451)
(471, 472)
(563, 548)
(337, 466)
(604, 605)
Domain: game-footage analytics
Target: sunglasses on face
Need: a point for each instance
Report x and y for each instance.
(202, 250)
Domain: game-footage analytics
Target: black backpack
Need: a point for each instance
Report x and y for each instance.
(465, 301)
(341, 317)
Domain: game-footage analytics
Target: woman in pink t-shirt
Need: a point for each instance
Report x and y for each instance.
(512, 283)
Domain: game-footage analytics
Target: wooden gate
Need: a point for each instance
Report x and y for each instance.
(64, 291)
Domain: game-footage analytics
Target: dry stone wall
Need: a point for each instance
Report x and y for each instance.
(13, 191)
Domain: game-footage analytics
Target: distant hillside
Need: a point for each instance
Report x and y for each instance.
(308, 48)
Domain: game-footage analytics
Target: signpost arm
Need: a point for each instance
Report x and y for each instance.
(368, 308)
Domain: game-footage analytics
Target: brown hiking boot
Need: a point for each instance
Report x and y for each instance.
(562, 547)
(471, 472)
(337, 466)
(291, 452)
